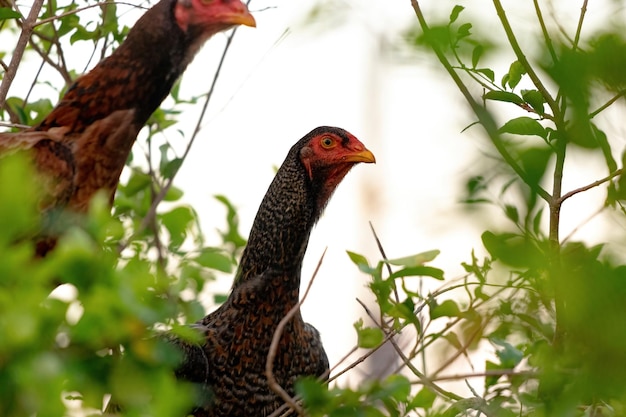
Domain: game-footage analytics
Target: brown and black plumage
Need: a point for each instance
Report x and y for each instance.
(230, 363)
(82, 145)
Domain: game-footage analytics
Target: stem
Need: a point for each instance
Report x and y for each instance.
(581, 18)
(553, 238)
(589, 186)
(544, 31)
(613, 99)
(556, 111)
(18, 52)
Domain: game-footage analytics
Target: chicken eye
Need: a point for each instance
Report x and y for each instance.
(327, 142)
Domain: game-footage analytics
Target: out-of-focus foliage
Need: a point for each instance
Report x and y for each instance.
(546, 311)
(83, 323)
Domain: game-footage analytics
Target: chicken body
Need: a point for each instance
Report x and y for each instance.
(98, 119)
(229, 367)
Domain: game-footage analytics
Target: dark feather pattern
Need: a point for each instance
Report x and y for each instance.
(229, 367)
(99, 117)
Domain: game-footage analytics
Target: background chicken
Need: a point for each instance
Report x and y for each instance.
(83, 144)
(230, 364)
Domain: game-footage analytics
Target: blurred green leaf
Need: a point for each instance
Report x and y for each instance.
(412, 260)
(448, 308)
(524, 126)
(456, 11)
(214, 258)
(8, 13)
(535, 99)
(425, 399)
(368, 337)
(503, 96)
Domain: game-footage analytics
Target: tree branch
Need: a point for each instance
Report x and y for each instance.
(18, 52)
(590, 186)
(556, 111)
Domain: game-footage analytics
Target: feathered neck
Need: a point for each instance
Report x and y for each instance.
(283, 224)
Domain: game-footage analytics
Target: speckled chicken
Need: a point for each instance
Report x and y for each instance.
(229, 365)
(83, 144)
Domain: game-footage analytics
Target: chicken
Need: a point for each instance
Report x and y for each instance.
(229, 365)
(82, 145)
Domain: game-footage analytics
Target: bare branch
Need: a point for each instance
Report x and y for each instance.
(521, 57)
(589, 186)
(18, 52)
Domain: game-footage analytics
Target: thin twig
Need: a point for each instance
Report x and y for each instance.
(616, 97)
(495, 372)
(589, 186)
(162, 193)
(544, 31)
(18, 51)
(271, 355)
(521, 57)
(382, 253)
(17, 125)
(579, 28)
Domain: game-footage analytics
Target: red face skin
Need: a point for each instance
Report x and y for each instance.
(327, 159)
(212, 15)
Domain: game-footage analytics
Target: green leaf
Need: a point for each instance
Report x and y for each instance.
(456, 10)
(453, 339)
(314, 393)
(448, 308)
(215, 259)
(137, 182)
(414, 260)
(534, 161)
(425, 399)
(503, 96)
(487, 73)
(177, 222)
(361, 262)
(464, 31)
(516, 70)
(511, 212)
(8, 13)
(173, 194)
(398, 387)
(535, 99)
(515, 250)
(524, 126)
(231, 235)
(477, 52)
(357, 259)
(491, 380)
(418, 271)
(510, 356)
(368, 337)
(171, 168)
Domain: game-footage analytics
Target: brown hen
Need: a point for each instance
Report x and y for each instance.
(229, 366)
(82, 145)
